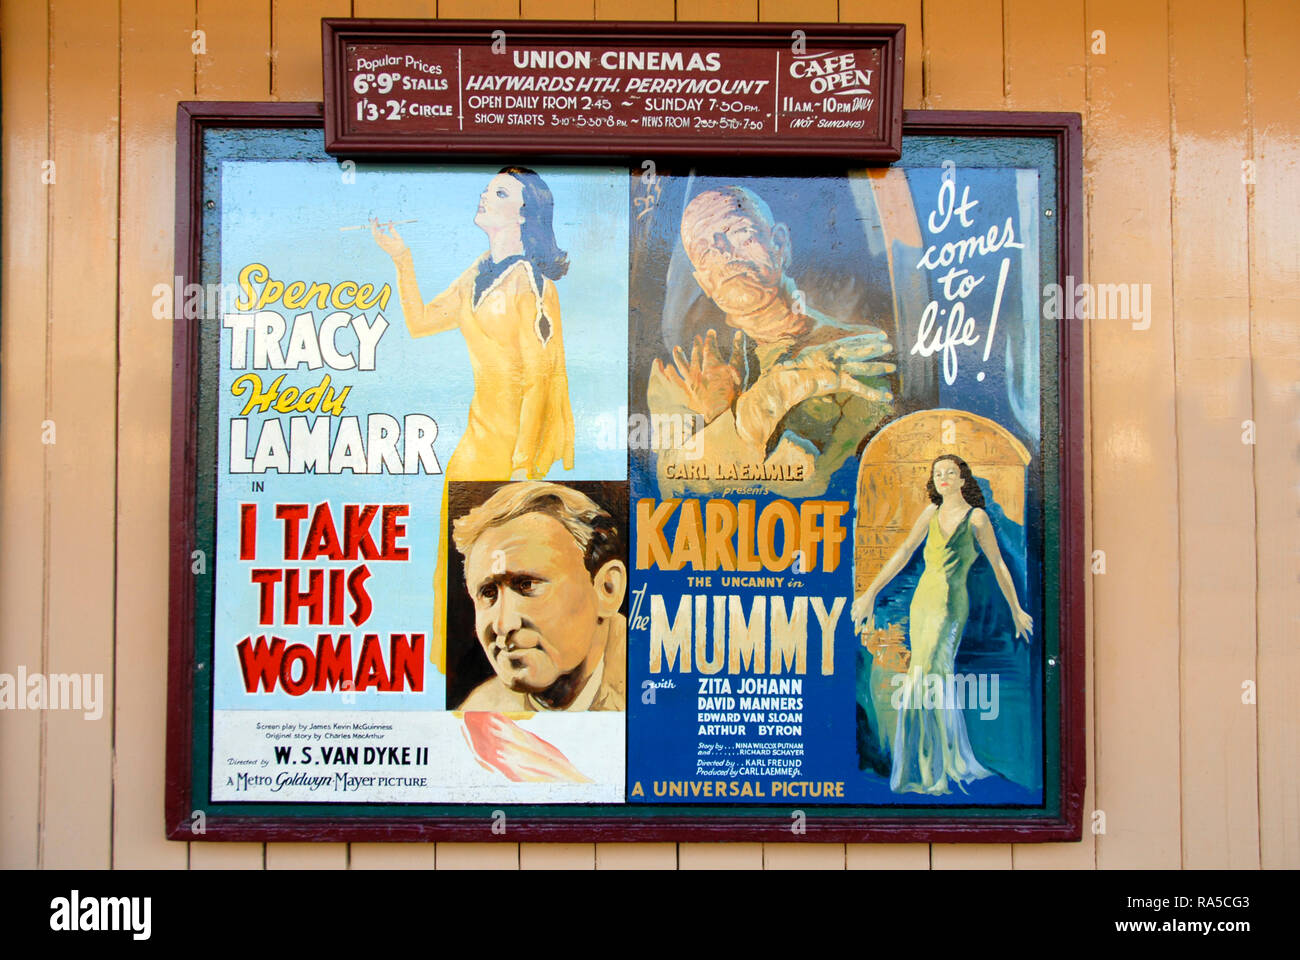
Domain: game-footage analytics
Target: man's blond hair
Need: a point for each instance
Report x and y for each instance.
(592, 528)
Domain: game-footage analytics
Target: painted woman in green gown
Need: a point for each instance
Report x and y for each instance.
(930, 745)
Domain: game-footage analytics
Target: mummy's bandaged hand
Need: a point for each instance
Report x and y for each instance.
(838, 366)
(705, 384)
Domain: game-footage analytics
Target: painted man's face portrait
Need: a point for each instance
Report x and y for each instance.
(536, 608)
(738, 255)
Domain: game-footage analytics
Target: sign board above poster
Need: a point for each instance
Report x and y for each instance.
(419, 87)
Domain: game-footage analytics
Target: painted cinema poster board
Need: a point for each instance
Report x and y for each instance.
(641, 500)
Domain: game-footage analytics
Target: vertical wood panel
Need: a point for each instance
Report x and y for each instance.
(23, 332)
(1045, 52)
(963, 54)
(908, 13)
(237, 39)
(557, 856)
(887, 856)
(77, 814)
(1045, 44)
(803, 856)
(1220, 807)
(403, 9)
(1134, 453)
(558, 9)
(157, 68)
(478, 856)
(227, 856)
(636, 856)
(1272, 38)
(634, 9)
(798, 11)
(738, 11)
(970, 856)
(296, 46)
(478, 9)
(392, 856)
(720, 856)
(237, 67)
(306, 856)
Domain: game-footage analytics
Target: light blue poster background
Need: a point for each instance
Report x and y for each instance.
(289, 215)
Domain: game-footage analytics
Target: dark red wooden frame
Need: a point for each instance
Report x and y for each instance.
(335, 33)
(1064, 129)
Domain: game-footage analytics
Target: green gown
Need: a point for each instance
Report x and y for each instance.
(930, 742)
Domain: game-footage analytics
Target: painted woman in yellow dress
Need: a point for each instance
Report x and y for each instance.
(506, 306)
(930, 743)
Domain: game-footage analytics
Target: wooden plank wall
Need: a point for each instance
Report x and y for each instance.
(1191, 168)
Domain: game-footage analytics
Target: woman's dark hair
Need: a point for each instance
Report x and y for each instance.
(538, 230)
(970, 488)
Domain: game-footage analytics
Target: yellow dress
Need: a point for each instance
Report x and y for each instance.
(930, 742)
(519, 415)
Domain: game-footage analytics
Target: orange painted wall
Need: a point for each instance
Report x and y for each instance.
(1192, 165)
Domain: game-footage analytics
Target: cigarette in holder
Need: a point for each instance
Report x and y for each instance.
(386, 223)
